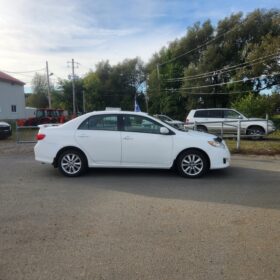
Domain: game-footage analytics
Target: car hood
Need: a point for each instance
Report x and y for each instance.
(175, 122)
(194, 133)
(4, 124)
(256, 119)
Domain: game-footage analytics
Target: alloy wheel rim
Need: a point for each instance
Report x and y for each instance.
(71, 164)
(255, 133)
(192, 165)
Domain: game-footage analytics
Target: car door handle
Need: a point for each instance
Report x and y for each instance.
(83, 136)
(127, 138)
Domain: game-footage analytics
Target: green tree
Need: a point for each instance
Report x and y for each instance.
(222, 70)
(63, 97)
(115, 86)
(38, 98)
(254, 105)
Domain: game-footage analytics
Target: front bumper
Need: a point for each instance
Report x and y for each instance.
(5, 132)
(219, 158)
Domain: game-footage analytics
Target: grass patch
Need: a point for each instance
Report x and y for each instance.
(23, 134)
(268, 146)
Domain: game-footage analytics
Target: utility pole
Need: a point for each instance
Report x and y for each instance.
(84, 102)
(73, 87)
(159, 88)
(48, 81)
(73, 84)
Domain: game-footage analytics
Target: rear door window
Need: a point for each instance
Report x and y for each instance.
(200, 114)
(100, 122)
(215, 114)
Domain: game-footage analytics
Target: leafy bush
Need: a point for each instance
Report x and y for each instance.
(253, 105)
(276, 121)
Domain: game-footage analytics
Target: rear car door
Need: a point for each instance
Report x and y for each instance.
(215, 119)
(100, 138)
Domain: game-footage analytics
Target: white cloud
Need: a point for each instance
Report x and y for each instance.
(33, 31)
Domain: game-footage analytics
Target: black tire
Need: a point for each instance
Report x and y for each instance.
(255, 132)
(201, 128)
(192, 163)
(72, 163)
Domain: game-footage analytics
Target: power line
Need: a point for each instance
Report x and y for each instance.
(25, 75)
(198, 47)
(22, 72)
(224, 83)
(206, 43)
(224, 70)
(211, 93)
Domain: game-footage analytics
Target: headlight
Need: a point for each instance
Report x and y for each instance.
(216, 144)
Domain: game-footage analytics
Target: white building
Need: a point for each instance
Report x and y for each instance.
(12, 101)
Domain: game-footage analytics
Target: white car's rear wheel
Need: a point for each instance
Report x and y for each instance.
(72, 163)
(192, 163)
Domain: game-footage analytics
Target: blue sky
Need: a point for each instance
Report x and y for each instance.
(33, 31)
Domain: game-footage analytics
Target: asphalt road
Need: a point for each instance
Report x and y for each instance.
(139, 224)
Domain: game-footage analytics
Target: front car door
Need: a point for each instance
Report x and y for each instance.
(142, 143)
(232, 117)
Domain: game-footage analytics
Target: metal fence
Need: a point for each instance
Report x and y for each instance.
(27, 134)
(237, 127)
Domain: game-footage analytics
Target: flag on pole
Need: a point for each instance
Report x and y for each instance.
(136, 106)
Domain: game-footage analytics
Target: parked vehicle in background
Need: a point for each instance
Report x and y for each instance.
(43, 116)
(131, 140)
(5, 130)
(216, 119)
(170, 121)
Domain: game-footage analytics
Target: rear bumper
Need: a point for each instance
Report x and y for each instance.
(45, 152)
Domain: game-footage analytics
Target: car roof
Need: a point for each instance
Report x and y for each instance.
(116, 112)
(203, 109)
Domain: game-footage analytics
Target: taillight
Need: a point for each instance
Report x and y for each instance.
(187, 120)
(40, 136)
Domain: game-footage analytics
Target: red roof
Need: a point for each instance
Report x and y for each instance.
(7, 78)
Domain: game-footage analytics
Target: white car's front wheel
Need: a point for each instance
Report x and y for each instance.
(72, 163)
(192, 163)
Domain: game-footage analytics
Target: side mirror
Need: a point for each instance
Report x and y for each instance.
(164, 130)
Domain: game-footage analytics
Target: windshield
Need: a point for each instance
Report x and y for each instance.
(166, 120)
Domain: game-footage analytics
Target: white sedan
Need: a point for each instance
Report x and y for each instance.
(128, 139)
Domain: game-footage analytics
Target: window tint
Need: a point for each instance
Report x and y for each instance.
(140, 124)
(100, 122)
(230, 114)
(215, 114)
(201, 114)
